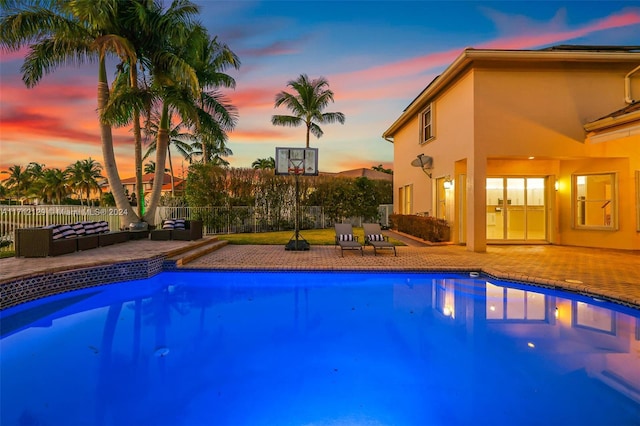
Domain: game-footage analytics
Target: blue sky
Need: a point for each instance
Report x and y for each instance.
(376, 55)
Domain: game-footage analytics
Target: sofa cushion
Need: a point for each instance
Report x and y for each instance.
(55, 231)
(103, 226)
(66, 231)
(91, 228)
(78, 228)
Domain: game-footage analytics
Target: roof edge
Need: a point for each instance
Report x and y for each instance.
(607, 122)
(470, 54)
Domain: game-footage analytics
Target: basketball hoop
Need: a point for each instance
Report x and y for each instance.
(296, 166)
(296, 161)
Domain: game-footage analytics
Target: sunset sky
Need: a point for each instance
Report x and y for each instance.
(376, 55)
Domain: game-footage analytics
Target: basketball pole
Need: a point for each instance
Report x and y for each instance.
(297, 242)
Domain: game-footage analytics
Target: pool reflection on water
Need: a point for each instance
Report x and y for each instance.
(267, 348)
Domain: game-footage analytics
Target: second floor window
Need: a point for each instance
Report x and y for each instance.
(426, 124)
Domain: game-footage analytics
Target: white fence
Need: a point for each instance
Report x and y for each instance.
(216, 220)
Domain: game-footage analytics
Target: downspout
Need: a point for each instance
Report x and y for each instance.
(627, 86)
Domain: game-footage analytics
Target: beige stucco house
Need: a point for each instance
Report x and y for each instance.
(526, 147)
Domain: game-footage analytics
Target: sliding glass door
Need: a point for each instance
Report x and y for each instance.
(516, 209)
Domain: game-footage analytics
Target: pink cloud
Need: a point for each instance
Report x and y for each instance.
(535, 38)
(259, 135)
(251, 97)
(20, 121)
(541, 38)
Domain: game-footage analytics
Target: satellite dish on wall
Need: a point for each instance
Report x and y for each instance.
(424, 162)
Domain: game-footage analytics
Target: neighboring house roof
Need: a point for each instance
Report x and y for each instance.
(368, 173)
(565, 53)
(147, 178)
(626, 115)
(178, 185)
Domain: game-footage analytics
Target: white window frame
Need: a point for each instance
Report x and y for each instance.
(426, 121)
(579, 206)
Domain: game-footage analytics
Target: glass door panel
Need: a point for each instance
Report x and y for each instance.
(536, 219)
(495, 198)
(515, 208)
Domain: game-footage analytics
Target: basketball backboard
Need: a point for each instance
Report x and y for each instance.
(297, 161)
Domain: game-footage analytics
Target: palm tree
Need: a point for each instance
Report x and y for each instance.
(177, 139)
(199, 105)
(153, 33)
(18, 182)
(55, 185)
(210, 59)
(264, 163)
(213, 152)
(58, 32)
(173, 83)
(150, 167)
(83, 175)
(310, 99)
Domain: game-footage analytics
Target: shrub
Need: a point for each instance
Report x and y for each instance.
(426, 227)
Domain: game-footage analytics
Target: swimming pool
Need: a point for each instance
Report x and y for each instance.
(281, 348)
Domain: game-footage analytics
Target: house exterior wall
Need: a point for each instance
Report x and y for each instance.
(494, 115)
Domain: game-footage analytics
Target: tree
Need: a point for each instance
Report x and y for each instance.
(83, 176)
(310, 99)
(58, 32)
(380, 168)
(216, 115)
(182, 141)
(264, 164)
(198, 103)
(55, 185)
(18, 181)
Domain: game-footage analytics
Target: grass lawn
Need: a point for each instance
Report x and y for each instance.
(319, 237)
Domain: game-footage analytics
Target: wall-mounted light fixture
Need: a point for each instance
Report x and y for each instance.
(556, 185)
(448, 183)
(424, 162)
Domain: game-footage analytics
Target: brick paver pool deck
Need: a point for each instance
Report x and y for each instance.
(613, 274)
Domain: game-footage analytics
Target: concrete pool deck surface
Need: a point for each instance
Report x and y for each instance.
(612, 274)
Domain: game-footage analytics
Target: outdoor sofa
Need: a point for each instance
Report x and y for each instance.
(54, 240)
(178, 229)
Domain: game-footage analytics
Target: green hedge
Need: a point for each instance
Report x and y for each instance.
(426, 227)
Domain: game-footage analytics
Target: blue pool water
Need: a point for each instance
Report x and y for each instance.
(235, 348)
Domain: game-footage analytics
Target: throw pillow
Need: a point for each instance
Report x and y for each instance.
(78, 227)
(67, 231)
(168, 224)
(376, 237)
(55, 230)
(346, 237)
